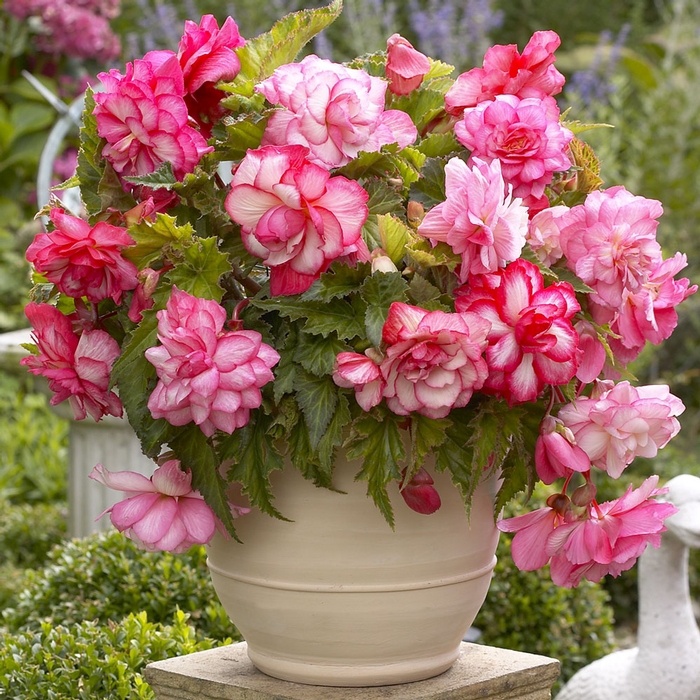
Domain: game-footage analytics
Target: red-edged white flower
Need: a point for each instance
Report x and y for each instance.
(295, 216)
(479, 219)
(83, 260)
(532, 342)
(405, 66)
(77, 367)
(206, 375)
(162, 513)
(361, 373)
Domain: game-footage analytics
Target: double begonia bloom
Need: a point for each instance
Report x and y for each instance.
(295, 216)
(544, 232)
(479, 219)
(405, 66)
(623, 423)
(83, 260)
(334, 111)
(206, 375)
(433, 362)
(532, 342)
(144, 119)
(507, 72)
(207, 56)
(162, 513)
(77, 367)
(524, 134)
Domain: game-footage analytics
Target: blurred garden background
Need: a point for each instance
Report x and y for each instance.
(82, 617)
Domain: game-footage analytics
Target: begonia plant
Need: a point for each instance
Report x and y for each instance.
(286, 258)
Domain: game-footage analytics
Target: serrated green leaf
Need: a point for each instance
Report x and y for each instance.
(394, 234)
(438, 145)
(425, 254)
(379, 291)
(372, 63)
(438, 69)
(317, 355)
(427, 434)
(430, 189)
(112, 194)
(379, 444)
(152, 237)
(334, 435)
(383, 197)
(455, 457)
(243, 133)
(261, 55)
(304, 458)
(90, 162)
(199, 272)
(163, 177)
(339, 281)
(422, 106)
(317, 398)
(423, 293)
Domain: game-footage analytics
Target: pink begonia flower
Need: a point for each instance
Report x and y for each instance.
(433, 361)
(206, 375)
(479, 219)
(543, 234)
(77, 368)
(591, 352)
(505, 71)
(361, 373)
(532, 342)
(83, 260)
(556, 452)
(524, 134)
(142, 298)
(162, 513)
(405, 66)
(420, 495)
(144, 119)
(610, 242)
(623, 423)
(610, 537)
(334, 111)
(207, 55)
(295, 216)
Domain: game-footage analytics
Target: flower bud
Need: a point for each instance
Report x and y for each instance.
(583, 495)
(559, 502)
(405, 66)
(381, 262)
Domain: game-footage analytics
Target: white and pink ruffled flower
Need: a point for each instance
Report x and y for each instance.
(524, 134)
(361, 373)
(405, 66)
(295, 216)
(144, 119)
(206, 375)
(622, 423)
(162, 513)
(83, 260)
(543, 234)
(334, 111)
(507, 72)
(532, 342)
(77, 367)
(479, 219)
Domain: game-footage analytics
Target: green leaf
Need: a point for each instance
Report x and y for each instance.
(438, 70)
(455, 457)
(423, 293)
(422, 106)
(163, 177)
(90, 162)
(334, 435)
(383, 197)
(427, 255)
(200, 271)
(195, 453)
(317, 355)
(261, 55)
(243, 133)
(376, 440)
(427, 434)
(438, 145)
(430, 189)
(153, 237)
(112, 194)
(394, 234)
(317, 398)
(379, 291)
(303, 457)
(339, 281)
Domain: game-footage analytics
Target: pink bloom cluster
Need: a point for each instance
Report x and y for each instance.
(143, 114)
(78, 28)
(84, 261)
(77, 367)
(334, 111)
(602, 539)
(162, 513)
(295, 216)
(432, 364)
(206, 375)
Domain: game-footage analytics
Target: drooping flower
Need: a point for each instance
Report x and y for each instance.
(479, 219)
(162, 513)
(505, 71)
(295, 216)
(334, 111)
(433, 361)
(622, 423)
(144, 119)
(207, 56)
(524, 134)
(405, 66)
(532, 342)
(592, 355)
(77, 367)
(420, 495)
(206, 375)
(556, 452)
(83, 260)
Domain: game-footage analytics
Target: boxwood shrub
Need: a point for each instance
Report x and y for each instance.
(91, 660)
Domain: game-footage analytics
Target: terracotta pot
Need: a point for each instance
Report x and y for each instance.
(338, 598)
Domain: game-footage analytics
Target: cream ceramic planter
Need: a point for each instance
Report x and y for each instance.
(338, 598)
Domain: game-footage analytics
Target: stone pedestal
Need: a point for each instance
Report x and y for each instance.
(480, 673)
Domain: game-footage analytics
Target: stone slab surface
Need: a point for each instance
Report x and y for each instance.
(480, 673)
